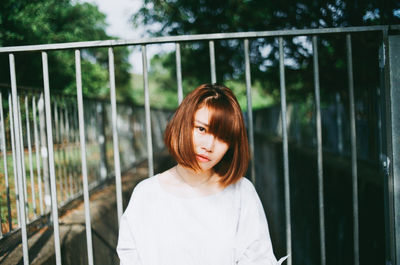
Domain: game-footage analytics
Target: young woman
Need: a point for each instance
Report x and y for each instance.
(202, 211)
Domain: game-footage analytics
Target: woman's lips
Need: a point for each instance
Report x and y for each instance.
(202, 158)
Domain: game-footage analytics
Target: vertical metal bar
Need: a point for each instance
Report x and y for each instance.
(67, 165)
(385, 126)
(90, 135)
(319, 152)
(285, 152)
(353, 149)
(60, 156)
(78, 146)
(117, 167)
(44, 153)
(62, 153)
(56, 132)
(147, 110)
(28, 132)
(14, 156)
(53, 187)
(22, 157)
(4, 149)
(68, 151)
(339, 123)
(37, 152)
(56, 147)
(83, 156)
(76, 149)
(179, 72)
(72, 145)
(392, 74)
(76, 152)
(100, 126)
(212, 62)
(18, 149)
(57, 151)
(96, 135)
(383, 146)
(249, 109)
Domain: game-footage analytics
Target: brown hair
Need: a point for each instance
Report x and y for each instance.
(226, 123)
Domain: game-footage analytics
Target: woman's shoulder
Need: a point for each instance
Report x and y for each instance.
(146, 186)
(245, 190)
(244, 185)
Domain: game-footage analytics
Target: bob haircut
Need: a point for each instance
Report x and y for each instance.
(226, 124)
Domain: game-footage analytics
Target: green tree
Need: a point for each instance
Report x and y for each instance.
(25, 22)
(177, 17)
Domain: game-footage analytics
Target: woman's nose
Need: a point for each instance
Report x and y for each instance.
(208, 142)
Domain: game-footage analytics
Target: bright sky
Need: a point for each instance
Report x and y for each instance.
(118, 14)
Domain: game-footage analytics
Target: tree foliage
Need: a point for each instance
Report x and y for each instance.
(25, 22)
(177, 17)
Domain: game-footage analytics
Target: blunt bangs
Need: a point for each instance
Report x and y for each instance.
(223, 123)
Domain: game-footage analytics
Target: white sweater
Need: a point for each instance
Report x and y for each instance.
(226, 228)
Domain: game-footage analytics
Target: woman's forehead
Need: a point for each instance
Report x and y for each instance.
(203, 116)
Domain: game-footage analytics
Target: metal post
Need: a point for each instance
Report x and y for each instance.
(83, 156)
(339, 123)
(147, 110)
(212, 62)
(117, 167)
(4, 149)
(66, 152)
(22, 157)
(44, 154)
(14, 156)
(249, 109)
(37, 148)
(28, 132)
(57, 152)
(18, 148)
(319, 152)
(392, 74)
(285, 152)
(76, 149)
(75, 174)
(353, 149)
(71, 148)
(179, 72)
(101, 136)
(53, 188)
(62, 153)
(384, 147)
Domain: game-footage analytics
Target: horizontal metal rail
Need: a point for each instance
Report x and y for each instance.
(197, 37)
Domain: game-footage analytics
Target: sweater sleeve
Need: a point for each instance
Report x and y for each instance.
(126, 247)
(254, 245)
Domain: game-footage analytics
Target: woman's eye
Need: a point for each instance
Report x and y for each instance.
(201, 129)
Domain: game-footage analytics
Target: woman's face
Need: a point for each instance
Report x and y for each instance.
(209, 150)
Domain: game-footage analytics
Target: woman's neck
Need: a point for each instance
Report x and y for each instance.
(194, 178)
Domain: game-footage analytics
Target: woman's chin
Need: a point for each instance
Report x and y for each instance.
(204, 168)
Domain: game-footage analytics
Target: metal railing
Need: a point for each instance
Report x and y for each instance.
(32, 132)
(246, 37)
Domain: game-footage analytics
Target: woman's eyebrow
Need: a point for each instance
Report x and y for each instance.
(202, 123)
